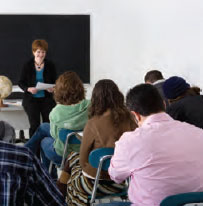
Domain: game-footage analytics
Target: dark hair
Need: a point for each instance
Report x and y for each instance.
(106, 95)
(192, 91)
(69, 89)
(39, 44)
(145, 100)
(152, 76)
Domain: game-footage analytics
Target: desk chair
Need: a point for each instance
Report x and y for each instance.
(100, 159)
(183, 198)
(68, 137)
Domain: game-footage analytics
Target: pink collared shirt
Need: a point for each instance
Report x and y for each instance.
(163, 157)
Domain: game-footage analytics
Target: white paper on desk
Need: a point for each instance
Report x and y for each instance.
(13, 102)
(43, 86)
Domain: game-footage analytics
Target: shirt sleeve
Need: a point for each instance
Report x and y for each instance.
(45, 190)
(23, 79)
(119, 169)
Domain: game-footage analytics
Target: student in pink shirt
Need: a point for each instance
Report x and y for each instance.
(162, 157)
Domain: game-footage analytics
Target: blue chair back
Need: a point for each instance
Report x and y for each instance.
(182, 199)
(68, 137)
(100, 159)
(63, 136)
(97, 154)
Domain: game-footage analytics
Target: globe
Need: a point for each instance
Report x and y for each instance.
(5, 88)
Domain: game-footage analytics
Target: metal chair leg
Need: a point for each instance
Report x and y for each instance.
(50, 167)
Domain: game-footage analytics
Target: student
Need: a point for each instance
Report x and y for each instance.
(7, 132)
(162, 157)
(156, 78)
(186, 103)
(108, 119)
(71, 112)
(38, 69)
(24, 180)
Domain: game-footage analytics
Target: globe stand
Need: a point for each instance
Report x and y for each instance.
(2, 104)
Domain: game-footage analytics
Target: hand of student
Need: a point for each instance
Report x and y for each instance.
(32, 90)
(50, 90)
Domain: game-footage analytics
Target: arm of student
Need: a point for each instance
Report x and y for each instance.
(119, 169)
(47, 193)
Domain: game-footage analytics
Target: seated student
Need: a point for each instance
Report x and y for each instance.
(7, 132)
(108, 119)
(24, 180)
(70, 113)
(186, 103)
(162, 157)
(156, 78)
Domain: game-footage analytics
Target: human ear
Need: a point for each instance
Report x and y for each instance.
(136, 116)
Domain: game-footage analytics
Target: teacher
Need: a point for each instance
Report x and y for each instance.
(37, 103)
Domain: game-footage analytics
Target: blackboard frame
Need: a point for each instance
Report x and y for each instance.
(68, 37)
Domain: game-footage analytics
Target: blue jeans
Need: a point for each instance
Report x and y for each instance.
(43, 141)
(48, 152)
(34, 142)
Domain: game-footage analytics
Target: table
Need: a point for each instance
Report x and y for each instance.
(14, 115)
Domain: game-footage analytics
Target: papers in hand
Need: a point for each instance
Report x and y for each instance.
(43, 86)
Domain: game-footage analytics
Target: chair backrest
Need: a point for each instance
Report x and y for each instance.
(100, 159)
(70, 137)
(182, 199)
(63, 134)
(96, 155)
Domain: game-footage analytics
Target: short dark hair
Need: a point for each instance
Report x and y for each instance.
(106, 95)
(145, 100)
(152, 76)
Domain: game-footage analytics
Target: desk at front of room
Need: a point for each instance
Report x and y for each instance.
(15, 115)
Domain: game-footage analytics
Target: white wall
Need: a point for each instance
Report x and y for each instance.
(129, 37)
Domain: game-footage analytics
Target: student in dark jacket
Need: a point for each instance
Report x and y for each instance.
(38, 69)
(186, 103)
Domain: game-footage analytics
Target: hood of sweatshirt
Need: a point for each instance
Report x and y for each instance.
(71, 117)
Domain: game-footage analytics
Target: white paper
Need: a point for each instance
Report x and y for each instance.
(43, 86)
(15, 102)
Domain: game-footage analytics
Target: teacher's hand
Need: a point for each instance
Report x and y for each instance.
(50, 90)
(32, 90)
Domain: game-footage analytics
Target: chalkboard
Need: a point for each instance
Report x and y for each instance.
(68, 37)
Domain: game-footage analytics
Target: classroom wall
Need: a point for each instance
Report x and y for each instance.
(130, 37)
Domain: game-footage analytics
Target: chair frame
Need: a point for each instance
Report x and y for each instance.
(94, 191)
(68, 139)
(67, 142)
(98, 161)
